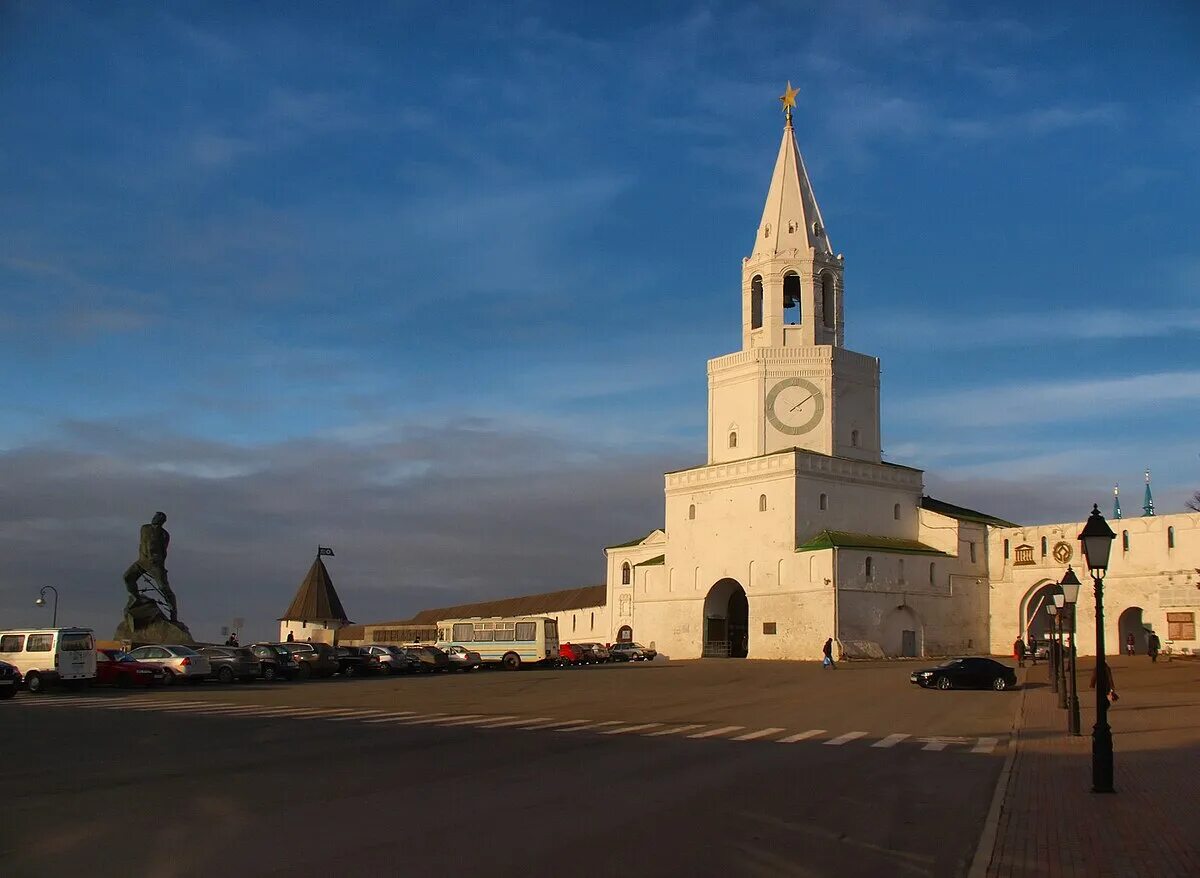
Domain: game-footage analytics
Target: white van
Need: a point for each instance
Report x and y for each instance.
(50, 655)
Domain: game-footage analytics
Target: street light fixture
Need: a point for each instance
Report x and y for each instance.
(1060, 601)
(1070, 589)
(1097, 539)
(41, 602)
(1052, 611)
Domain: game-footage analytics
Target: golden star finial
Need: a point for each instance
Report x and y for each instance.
(789, 100)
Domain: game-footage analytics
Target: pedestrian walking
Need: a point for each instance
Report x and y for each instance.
(1112, 690)
(291, 637)
(1032, 650)
(1019, 652)
(827, 651)
(1152, 646)
(1130, 644)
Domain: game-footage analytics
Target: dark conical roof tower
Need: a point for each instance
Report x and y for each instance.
(317, 600)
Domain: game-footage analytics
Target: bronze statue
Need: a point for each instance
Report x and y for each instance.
(152, 558)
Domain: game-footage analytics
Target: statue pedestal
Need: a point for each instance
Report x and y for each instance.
(144, 623)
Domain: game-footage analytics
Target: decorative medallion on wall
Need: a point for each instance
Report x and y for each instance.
(1022, 556)
(1062, 552)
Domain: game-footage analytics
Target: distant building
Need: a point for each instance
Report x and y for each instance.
(316, 610)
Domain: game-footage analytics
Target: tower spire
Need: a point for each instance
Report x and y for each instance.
(1117, 500)
(1148, 502)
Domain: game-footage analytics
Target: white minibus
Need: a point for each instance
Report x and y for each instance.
(509, 641)
(50, 655)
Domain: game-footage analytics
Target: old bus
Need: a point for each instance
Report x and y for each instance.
(509, 641)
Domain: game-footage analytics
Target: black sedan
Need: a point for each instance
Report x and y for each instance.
(10, 680)
(967, 673)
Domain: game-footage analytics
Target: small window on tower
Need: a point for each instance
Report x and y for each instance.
(756, 302)
(896, 512)
(828, 310)
(626, 573)
(791, 299)
(870, 568)
(762, 502)
(824, 502)
(1170, 538)
(692, 512)
(854, 438)
(733, 439)
(1124, 541)
(1043, 547)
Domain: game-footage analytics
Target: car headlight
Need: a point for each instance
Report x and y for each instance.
(926, 673)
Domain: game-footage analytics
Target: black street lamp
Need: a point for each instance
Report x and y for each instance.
(1052, 611)
(41, 602)
(1097, 539)
(1060, 601)
(1070, 588)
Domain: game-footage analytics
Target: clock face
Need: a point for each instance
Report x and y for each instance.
(795, 406)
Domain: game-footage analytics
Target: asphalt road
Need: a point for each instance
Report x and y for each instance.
(631, 770)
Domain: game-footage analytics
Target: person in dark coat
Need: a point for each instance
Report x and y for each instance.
(1019, 652)
(827, 651)
(1032, 651)
(291, 637)
(1152, 646)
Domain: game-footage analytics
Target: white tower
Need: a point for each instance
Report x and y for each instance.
(793, 384)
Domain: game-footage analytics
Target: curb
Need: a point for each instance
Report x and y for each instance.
(991, 823)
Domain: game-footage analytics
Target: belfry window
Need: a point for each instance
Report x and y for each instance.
(626, 573)
(828, 311)
(733, 439)
(756, 302)
(791, 299)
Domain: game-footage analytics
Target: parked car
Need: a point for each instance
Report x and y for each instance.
(45, 656)
(316, 659)
(356, 661)
(431, 658)
(177, 662)
(462, 658)
(392, 659)
(274, 662)
(594, 652)
(10, 680)
(231, 663)
(631, 652)
(570, 654)
(966, 673)
(117, 668)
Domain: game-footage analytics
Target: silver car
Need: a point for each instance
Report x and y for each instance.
(179, 663)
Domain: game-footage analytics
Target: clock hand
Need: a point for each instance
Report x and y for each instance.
(800, 403)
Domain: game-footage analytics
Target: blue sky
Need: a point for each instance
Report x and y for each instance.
(439, 283)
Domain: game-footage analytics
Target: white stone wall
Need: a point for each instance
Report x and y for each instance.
(317, 632)
(1149, 575)
(583, 625)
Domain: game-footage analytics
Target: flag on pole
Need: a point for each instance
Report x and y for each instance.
(324, 550)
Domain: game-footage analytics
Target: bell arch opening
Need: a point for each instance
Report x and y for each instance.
(726, 620)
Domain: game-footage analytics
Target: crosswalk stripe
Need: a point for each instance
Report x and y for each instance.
(557, 723)
(391, 717)
(269, 712)
(228, 710)
(590, 726)
(475, 721)
(180, 707)
(626, 729)
(802, 736)
(936, 744)
(60, 702)
(844, 739)
(890, 741)
(140, 703)
(675, 730)
(516, 722)
(355, 714)
(712, 733)
(322, 713)
(985, 745)
(761, 733)
(438, 718)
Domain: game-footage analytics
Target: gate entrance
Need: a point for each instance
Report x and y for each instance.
(726, 621)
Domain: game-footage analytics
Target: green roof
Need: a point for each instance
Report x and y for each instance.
(963, 513)
(656, 561)
(840, 539)
(630, 543)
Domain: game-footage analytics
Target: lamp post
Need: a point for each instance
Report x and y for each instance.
(1060, 601)
(1070, 587)
(1052, 610)
(41, 602)
(1097, 538)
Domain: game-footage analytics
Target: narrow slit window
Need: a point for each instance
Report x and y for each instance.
(762, 502)
(692, 512)
(824, 502)
(626, 573)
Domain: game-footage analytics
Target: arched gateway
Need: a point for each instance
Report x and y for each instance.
(726, 620)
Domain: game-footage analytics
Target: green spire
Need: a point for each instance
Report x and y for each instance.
(1148, 503)
(1117, 501)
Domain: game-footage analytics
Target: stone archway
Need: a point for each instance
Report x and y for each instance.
(624, 634)
(902, 633)
(726, 620)
(1131, 622)
(1035, 621)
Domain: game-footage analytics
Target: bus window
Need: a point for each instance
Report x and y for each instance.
(527, 631)
(464, 632)
(551, 628)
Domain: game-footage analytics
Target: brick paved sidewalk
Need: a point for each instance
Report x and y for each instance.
(1051, 824)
